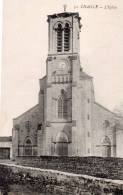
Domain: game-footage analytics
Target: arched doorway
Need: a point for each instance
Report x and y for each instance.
(106, 147)
(28, 147)
(61, 144)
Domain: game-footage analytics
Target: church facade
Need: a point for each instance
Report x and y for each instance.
(67, 121)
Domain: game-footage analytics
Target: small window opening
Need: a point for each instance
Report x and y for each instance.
(88, 116)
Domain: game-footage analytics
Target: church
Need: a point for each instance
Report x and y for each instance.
(67, 121)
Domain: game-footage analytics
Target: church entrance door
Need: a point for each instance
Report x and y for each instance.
(62, 149)
(28, 148)
(61, 144)
(106, 147)
(106, 151)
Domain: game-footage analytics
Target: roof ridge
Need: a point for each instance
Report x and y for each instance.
(26, 112)
(106, 108)
(84, 74)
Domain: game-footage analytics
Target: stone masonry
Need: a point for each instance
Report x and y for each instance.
(67, 121)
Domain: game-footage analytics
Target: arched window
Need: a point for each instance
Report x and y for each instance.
(66, 37)
(62, 105)
(59, 38)
(28, 148)
(28, 125)
(106, 124)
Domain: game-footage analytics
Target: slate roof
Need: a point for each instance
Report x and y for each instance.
(85, 75)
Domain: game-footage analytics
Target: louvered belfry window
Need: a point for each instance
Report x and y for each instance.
(59, 38)
(66, 37)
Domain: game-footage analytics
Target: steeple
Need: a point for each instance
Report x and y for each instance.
(64, 29)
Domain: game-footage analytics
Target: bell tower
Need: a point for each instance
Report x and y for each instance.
(64, 29)
(63, 47)
(63, 72)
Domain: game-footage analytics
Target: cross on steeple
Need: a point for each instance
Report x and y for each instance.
(65, 7)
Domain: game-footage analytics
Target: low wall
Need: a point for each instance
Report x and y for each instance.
(111, 168)
(58, 182)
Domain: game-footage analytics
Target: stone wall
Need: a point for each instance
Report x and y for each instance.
(95, 166)
(58, 182)
(100, 129)
(25, 126)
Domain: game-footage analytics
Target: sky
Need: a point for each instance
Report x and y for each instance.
(1, 9)
(25, 49)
